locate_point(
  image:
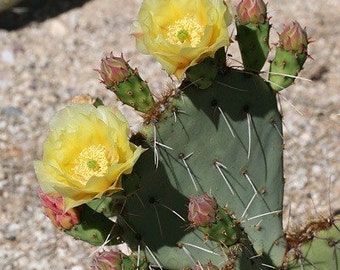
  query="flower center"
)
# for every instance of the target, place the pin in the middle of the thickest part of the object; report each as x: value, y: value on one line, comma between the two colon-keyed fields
x: 186, y: 31
x: 92, y: 161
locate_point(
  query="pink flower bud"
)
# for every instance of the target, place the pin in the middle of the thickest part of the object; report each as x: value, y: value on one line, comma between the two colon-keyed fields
x: 54, y: 209
x: 251, y: 11
x: 202, y: 210
x: 107, y: 260
x: 293, y: 38
x: 113, y: 70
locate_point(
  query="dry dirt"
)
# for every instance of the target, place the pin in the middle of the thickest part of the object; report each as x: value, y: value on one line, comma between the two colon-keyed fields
x: 47, y: 55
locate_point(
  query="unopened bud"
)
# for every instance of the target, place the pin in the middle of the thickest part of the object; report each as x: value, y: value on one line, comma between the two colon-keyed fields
x: 202, y: 210
x: 114, y: 70
x: 293, y: 38
x: 54, y: 209
x: 107, y: 260
x: 251, y: 11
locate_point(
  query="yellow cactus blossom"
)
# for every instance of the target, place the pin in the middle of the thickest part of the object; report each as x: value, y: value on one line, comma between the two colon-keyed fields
x: 86, y: 153
x: 181, y: 33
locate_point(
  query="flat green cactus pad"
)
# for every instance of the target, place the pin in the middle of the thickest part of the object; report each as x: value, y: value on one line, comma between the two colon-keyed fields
x: 225, y: 140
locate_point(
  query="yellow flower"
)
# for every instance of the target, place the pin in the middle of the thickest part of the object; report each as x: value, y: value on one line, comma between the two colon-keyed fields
x: 86, y: 153
x: 181, y: 33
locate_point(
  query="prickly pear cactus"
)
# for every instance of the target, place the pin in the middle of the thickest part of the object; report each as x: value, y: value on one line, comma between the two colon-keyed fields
x: 220, y: 140
x: 207, y: 191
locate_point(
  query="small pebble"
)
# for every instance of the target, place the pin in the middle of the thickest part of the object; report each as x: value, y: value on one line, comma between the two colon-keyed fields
x: 7, y: 57
x: 57, y: 28
x: 77, y: 267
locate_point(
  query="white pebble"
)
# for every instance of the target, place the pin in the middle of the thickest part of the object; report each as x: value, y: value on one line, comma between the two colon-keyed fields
x: 7, y: 56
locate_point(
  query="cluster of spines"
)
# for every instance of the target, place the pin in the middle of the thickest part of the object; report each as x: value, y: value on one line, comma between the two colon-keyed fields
x: 314, y: 245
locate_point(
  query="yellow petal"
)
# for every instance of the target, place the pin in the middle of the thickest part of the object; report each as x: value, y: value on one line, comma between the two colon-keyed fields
x: 180, y: 33
x: 86, y: 153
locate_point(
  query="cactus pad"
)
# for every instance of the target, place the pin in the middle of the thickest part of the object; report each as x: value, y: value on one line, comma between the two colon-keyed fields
x: 253, y: 42
x: 225, y: 139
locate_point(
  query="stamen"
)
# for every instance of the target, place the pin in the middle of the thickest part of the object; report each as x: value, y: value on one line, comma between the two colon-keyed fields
x: 92, y: 161
x: 187, y: 31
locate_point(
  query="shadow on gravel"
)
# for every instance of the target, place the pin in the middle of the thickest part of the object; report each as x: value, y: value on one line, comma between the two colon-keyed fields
x: 29, y: 11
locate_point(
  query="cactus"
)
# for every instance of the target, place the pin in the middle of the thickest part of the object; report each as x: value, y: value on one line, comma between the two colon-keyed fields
x: 253, y: 29
x: 94, y: 228
x: 291, y: 54
x: 207, y: 193
x: 315, y: 246
x: 115, y: 259
x: 202, y: 158
x: 120, y: 78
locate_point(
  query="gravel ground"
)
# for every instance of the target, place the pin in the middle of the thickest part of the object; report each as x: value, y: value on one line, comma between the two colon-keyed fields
x: 47, y: 56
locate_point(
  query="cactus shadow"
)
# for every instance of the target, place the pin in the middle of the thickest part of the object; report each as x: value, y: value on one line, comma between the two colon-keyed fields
x: 29, y: 11
x: 235, y: 93
x: 156, y: 212
x: 247, y: 263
